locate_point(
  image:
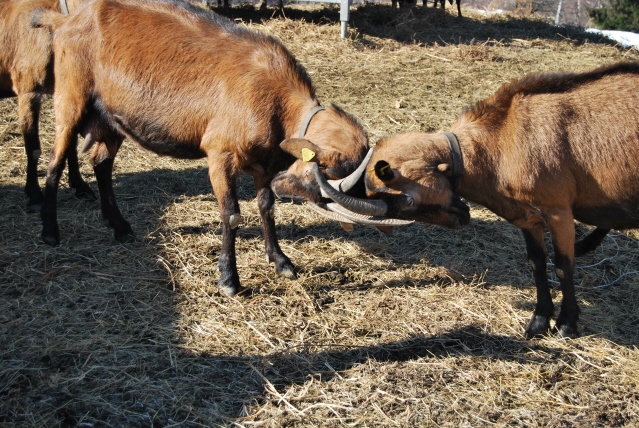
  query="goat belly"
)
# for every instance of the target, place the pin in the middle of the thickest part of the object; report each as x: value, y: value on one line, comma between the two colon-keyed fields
x: 160, y: 141
x: 173, y: 148
x: 612, y: 216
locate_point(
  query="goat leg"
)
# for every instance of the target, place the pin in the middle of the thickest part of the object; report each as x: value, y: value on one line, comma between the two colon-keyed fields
x: 28, y: 114
x: 539, y: 323
x: 562, y: 231
x: 223, y: 177
x: 274, y: 254
x: 50, y: 230
x: 102, y: 161
x: 82, y: 188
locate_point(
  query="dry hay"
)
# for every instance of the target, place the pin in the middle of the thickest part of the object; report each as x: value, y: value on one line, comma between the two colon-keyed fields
x: 422, y: 328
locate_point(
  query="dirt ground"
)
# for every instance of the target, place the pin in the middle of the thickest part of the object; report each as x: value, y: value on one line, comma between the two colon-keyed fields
x: 421, y: 328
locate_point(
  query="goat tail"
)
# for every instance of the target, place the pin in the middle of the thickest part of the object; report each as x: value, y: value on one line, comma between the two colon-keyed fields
x: 47, y: 18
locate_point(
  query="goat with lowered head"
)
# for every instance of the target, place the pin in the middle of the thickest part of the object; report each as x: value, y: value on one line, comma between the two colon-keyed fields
x: 541, y: 152
x: 26, y: 72
x: 203, y: 87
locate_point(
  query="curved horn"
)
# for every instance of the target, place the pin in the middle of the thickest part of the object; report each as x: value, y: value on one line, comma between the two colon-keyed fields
x: 347, y: 183
x: 360, y: 206
x: 364, y: 219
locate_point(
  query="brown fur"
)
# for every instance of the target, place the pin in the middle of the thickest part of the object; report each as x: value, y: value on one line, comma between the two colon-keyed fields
x: 26, y: 62
x: 541, y: 152
x: 184, y: 82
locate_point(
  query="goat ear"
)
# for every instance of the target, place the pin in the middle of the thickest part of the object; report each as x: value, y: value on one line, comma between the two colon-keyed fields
x: 445, y: 169
x: 383, y: 171
x: 302, y: 149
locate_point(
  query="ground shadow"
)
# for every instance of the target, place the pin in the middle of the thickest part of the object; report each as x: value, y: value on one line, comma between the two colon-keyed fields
x: 83, y: 345
x: 446, y: 251
x: 425, y: 25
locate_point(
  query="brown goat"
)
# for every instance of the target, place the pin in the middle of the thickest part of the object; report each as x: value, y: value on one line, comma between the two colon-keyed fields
x: 543, y: 151
x: 26, y: 71
x: 443, y: 4
x: 187, y: 83
x: 411, y: 3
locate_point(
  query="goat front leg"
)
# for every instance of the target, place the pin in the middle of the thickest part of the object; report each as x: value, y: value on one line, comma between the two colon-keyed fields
x: 562, y: 231
x: 539, y: 323
x: 102, y: 160
x: 274, y: 254
x: 28, y: 115
x: 223, y: 175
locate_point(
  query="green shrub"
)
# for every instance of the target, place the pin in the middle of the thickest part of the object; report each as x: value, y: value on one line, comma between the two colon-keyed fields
x: 619, y: 15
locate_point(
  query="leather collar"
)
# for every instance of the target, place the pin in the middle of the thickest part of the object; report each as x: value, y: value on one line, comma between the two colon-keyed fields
x: 455, y: 152
x: 308, y: 118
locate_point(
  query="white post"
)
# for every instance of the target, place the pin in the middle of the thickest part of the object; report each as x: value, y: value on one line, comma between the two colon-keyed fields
x: 558, y: 13
x: 344, y: 15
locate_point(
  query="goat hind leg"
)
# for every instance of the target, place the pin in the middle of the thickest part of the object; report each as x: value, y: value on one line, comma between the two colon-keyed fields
x: 562, y: 231
x: 82, y: 188
x: 102, y: 159
x: 539, y: 323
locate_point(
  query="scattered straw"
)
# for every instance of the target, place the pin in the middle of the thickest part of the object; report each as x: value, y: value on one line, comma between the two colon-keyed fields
x: 421, y: 328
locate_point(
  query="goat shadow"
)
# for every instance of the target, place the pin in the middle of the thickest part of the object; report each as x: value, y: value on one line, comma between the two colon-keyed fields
x: 126, y: 341
x: 423, y: 24
x: 488, y: 248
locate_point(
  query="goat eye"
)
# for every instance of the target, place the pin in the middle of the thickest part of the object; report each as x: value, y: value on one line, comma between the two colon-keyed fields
x: 410, y: 201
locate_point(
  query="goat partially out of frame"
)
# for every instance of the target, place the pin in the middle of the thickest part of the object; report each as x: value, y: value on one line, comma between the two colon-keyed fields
x: 543, y: 151
x: 26, y: 72
x: 411, y: 3
x: 187, y: 83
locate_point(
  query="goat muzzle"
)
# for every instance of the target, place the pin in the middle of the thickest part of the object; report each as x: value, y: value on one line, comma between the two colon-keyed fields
x: 349, y: 209
x: 357, y: 205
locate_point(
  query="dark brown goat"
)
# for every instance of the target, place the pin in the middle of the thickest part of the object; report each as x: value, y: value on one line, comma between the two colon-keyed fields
x: 26, y: 71
x: 443, y: 4
x: 411, y: 3
x: 543, y: 151
x: 187, y: 83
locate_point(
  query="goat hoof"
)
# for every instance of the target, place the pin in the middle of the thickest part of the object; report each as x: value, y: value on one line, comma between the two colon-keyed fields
x: 229, y: 290
x: 125, y: 238
x: 35, y: 201
x: 566, y: 331
x: 51, y: 240
x: 287, y: 272
x: 85, y: 193
x: 283, y: 265
x: 34, y: 207
x: 537, y: 326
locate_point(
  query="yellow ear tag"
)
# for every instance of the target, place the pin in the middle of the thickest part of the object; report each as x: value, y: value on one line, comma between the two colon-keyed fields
x: 307, y: 154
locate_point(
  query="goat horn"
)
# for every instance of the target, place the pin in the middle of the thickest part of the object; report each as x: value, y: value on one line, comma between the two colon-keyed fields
x: 365, y: 219
x: 359, y: 206
x: 347, y: 183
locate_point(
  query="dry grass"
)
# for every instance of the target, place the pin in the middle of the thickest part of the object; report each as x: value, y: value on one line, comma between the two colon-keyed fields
x: 423, y: 328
